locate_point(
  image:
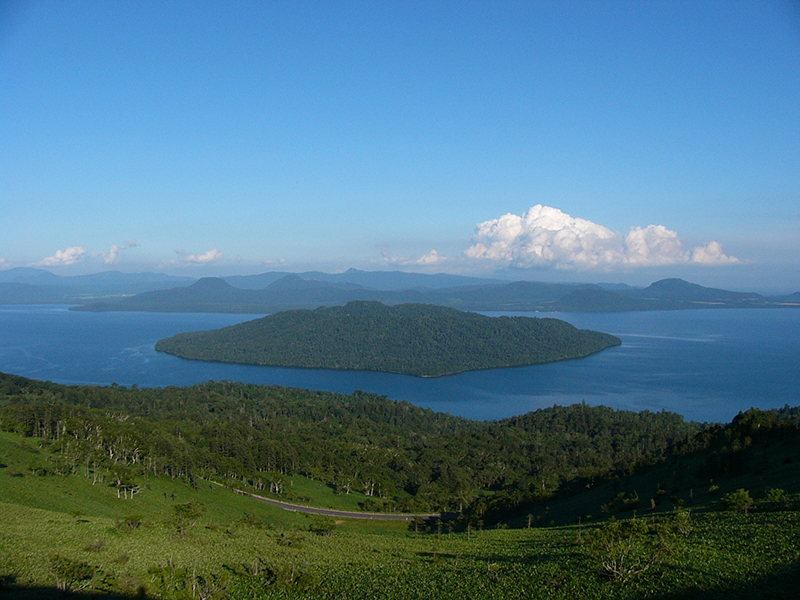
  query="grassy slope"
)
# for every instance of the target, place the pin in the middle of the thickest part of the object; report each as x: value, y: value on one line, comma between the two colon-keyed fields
x: 726, y: 555
x: 722, y: 555
x: 79, y: 496
x: 311, y: 492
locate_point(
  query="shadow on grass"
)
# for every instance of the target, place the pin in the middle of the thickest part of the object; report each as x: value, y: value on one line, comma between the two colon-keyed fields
x: 780, y: 584
x: 15, y: 592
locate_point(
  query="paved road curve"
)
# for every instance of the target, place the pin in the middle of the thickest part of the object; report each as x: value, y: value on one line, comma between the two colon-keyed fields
x: 344, y: 514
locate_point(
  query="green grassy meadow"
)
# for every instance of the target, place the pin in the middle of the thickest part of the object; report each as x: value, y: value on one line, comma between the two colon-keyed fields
x: 63, y: 531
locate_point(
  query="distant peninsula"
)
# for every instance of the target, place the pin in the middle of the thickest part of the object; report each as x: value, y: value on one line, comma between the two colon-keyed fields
x: 413, y: 339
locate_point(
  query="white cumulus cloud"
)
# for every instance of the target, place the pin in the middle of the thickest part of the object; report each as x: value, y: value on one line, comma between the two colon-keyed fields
x: 200, y: 259
x: 112, y: 256
x: 62, y: 257
x: 652, y: 245
x: 546, y: 236
x: 431, y: 258
x: 712, y: 254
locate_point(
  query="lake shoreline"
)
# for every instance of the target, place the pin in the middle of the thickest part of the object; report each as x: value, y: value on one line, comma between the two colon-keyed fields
x: 705, y: 365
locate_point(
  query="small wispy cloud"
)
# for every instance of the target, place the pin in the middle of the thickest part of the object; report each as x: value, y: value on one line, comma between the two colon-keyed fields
x: 431, y: 258
x: 546, y: 236
x: 274, y: 262
x: 62, y: 258
x: 200, y: 259
x: 112, y: 256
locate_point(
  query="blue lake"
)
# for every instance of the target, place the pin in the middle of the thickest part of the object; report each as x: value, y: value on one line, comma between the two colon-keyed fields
x: 704, y: 364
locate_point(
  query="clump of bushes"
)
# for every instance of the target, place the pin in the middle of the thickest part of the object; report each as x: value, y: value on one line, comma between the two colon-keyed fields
x: 738, y: 501
x: 625, y: 549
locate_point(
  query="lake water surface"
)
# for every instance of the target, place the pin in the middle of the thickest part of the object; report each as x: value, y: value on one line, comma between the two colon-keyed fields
x: 704, y: 364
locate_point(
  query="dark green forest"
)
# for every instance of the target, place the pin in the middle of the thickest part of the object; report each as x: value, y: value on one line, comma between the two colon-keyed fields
x: 413, y: 339
x: 402, y: 457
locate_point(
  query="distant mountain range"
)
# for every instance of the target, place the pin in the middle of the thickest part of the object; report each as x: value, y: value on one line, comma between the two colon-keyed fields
x: 282, y: 291
x: 275, y: 291
x: 379, y: 280
x: 25, y: 285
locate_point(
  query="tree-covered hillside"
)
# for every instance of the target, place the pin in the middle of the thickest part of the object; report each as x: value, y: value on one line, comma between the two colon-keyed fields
x: 405, y: 457
x: 414, y: 339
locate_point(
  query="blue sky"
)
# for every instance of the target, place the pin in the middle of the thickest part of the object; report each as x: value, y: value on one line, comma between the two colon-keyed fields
x: 583, y: 141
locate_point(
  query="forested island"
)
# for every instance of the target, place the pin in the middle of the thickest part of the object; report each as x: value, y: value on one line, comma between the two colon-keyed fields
x: 413, y: 339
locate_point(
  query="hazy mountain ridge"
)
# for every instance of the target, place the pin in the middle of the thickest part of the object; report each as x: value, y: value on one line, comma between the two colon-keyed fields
x: 379, y: 280
x: 275, y: 291
x: 293, y: 291
x: 25, y: 285
x: 683, y: 291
